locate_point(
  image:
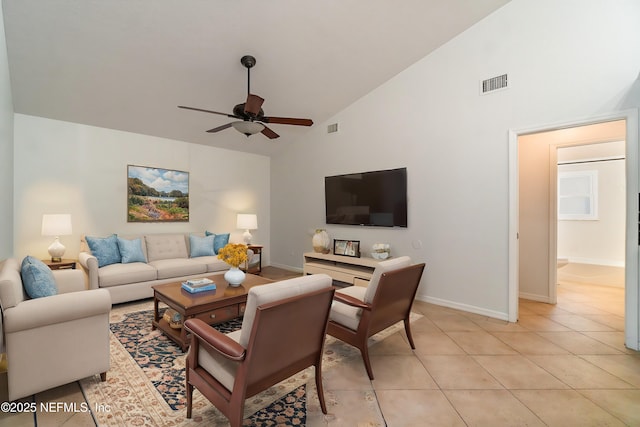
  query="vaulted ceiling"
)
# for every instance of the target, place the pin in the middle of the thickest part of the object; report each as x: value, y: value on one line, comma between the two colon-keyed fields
x: 127, y: 65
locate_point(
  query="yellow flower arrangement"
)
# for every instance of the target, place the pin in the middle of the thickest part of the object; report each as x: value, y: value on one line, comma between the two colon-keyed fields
x: 233, y: 254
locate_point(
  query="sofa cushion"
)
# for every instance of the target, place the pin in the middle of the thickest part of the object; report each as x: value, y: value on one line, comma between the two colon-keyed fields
x: 122, y: 274
x: 105, y: 249
x: 166, y: 246
x: 201, y: 246
x: 212, y: 263
x: 131, y: 250
x: 168, y: 268
x: 37, y: 278
x: 11, y: 289
x: 220, y: 240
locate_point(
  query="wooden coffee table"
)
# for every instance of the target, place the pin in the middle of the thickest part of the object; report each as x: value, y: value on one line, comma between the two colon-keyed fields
x: 222, y: 304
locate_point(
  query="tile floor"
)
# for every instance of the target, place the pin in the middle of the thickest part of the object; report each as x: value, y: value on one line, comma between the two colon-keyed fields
x: 560, y: 365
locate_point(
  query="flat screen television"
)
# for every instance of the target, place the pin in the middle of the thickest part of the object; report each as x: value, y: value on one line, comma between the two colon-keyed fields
x: 376, y: 198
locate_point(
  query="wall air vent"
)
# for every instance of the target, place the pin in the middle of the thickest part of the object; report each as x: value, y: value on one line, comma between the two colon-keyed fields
x: 493, y: 84
x: 333, y: 128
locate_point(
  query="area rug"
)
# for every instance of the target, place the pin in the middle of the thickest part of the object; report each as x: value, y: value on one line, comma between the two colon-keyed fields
x: 145, y: 385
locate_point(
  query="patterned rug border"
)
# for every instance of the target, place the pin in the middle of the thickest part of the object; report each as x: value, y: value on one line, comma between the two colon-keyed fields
x: 132, y: 399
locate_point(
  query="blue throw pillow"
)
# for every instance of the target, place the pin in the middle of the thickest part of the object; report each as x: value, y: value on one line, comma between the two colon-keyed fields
x: 105, y: 249
x: 220, y: 240
x: 131, y: 250
x: 37, y: 278
x: 201, y: 246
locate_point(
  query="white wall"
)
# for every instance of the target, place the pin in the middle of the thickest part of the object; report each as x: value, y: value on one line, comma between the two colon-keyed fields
x: 63, y: 167
x: 565, y: 60
x: 6, y: 151
x: 600, y: 241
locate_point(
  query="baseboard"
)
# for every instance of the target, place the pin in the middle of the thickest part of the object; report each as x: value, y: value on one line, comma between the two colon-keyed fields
x: 593, y: 261
x: 464, y: 307
x: 287, y: 267
x: 534, y: 297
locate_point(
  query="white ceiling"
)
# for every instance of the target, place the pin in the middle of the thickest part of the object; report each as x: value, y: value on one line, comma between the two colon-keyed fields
x: 126, y: 65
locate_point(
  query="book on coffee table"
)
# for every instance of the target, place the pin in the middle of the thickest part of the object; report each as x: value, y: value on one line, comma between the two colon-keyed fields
x: 198, y: 285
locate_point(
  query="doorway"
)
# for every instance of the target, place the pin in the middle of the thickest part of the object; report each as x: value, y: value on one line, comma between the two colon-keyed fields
x: 533, y: 210
x: 591, y: 213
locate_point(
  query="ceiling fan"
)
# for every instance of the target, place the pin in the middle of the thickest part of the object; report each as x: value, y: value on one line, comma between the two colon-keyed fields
x: 250, y: 114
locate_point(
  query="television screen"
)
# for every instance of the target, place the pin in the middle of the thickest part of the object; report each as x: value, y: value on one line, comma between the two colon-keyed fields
x: 377, y: 198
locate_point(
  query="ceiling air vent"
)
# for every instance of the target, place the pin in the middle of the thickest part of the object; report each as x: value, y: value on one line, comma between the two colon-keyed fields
x: 493, y: 84
x: 333, y: 128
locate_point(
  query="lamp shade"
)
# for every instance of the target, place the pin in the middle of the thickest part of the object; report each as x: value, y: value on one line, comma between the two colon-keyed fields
x: 56, y: 224
x: 247, y: 221
x: 248, y: 128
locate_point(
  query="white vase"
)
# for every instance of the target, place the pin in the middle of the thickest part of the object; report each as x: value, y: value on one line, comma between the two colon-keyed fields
x: 234, y: 276
x: 321, y: 241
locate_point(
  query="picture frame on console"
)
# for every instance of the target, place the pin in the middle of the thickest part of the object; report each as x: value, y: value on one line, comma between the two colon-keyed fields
x: 346, y: 248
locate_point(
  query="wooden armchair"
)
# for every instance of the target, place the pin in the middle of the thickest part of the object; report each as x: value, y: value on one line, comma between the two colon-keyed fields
x: 283, y: 332
x: 359, y: 313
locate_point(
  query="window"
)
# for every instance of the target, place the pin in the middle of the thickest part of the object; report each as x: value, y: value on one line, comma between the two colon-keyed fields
x: 578, y: 195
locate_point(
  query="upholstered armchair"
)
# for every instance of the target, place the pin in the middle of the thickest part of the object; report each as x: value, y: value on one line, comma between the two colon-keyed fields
x: 283, y: 332
x: 359, y: 313
x: 52, y: 340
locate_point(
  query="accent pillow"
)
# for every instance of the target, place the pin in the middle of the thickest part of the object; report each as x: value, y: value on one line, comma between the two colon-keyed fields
x: 131, y: 250
x: 105, y: 249
x: 201, y: 246
x: 37, y: 278
x: 220, y: 241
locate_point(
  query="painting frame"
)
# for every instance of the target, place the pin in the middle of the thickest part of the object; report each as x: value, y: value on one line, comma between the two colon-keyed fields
x: 157, y: 194
x: 349, y: 248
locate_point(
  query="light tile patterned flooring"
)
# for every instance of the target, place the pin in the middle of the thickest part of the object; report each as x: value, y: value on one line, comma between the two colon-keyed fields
x: 560, y: 365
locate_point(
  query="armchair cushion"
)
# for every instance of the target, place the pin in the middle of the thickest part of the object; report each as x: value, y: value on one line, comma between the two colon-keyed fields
x: 105, y: 249
x: 42, y: 312
x: 345, y: 314
x: 11, y: 290
x: 383, y: 267
x: 131, y: 250
x: 221, y: 368
x: 259, y: 295
x: 37, y: 278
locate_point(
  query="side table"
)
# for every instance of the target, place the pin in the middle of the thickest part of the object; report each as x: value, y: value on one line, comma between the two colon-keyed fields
x: 257, y: 250
x: 61, y: 265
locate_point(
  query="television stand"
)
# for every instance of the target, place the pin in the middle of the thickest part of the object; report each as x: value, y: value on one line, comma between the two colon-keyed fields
x: 345, y: 269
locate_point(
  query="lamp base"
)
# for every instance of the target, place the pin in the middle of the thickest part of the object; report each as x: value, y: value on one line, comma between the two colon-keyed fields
x: 56, y: 250
x: 247, y: 237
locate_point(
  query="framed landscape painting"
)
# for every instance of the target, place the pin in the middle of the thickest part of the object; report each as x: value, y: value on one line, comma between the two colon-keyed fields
x: 157, y: 195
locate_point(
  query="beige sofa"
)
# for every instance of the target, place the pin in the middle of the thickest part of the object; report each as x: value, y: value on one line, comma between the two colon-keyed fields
x: 167, y: 259
x: 52, y: 340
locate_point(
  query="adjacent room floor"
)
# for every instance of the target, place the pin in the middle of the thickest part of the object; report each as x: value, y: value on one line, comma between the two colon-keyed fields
x: 560, y: 365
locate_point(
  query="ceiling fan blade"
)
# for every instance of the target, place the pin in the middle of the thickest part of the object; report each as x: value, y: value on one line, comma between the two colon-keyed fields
x: 287, y: 121
x: 209, y: 111
x: 253, y: 105
x: 269, y: 133
x: 219, y: 128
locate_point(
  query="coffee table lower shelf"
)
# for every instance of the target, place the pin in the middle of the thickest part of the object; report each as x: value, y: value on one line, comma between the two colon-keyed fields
x: 212, y: 317
x: 213, y: 307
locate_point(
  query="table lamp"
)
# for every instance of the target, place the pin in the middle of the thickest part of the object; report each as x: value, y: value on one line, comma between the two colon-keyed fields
x: 56, y: 225
x: 247, y: 222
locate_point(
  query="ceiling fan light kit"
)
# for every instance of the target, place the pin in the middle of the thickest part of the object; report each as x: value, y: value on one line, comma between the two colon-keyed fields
x: 248, y: 128
x: 250, y: 114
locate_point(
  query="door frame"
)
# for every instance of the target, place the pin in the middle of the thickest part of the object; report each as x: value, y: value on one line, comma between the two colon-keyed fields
x: 632, y: 282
